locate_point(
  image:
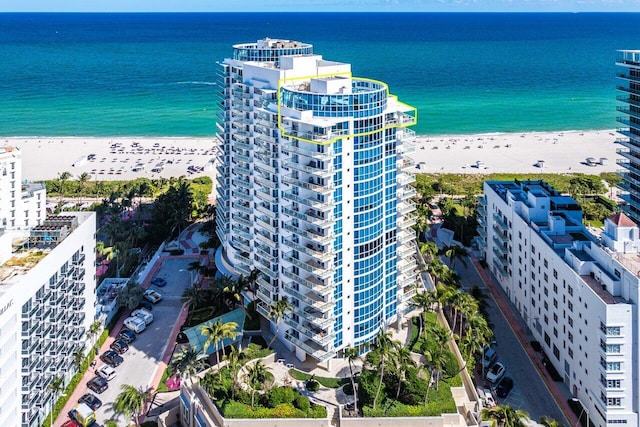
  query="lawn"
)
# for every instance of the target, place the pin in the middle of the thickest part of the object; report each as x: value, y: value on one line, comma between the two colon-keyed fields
x: 325, y: 381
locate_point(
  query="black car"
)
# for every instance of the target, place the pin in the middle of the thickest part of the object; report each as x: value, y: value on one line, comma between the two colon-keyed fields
x: 127, y: 336
x: 92, y: 401
x: 145, y: 304
x: 111, y: 358
x: 504, y: 387
x: 97, y: 385
x: 119, y: 346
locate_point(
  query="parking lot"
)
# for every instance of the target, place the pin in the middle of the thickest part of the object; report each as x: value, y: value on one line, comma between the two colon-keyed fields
x: 146, y: 352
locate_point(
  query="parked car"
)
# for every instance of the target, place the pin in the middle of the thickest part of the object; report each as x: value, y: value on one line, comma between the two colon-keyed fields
x: 127, y: 335
x: 111, y: 358
x: 135, y: 323
x: 106, y: 372
x: 504, y: 387
x: 145, y: 304
x: 489, y: 358
x: 91, y: 401
x: 486, y: 396
x: 496, y: 373
x: 97, y: 385
x: 145, y: 315
x: 152, y: 296
x: 159, y: 282
x: 119, y: 346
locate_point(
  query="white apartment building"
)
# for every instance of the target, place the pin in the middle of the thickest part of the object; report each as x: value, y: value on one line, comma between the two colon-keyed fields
x: 576, y: 292
x: 314, y: 192
x: 22, y: 204
x: 47, y: 298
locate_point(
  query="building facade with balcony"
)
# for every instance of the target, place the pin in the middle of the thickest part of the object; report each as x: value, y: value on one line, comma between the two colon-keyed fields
x: 314, y: 192
x: 22, y: 205
x: 47, y: 303
x: 630, y: 131
x: 576, y: 292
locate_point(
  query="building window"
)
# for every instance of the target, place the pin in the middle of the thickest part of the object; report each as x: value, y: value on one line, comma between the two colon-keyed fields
x: 570, y: 290
x: 555, y: 274
x: 546, y: 264
x: 570, y: 305
x: 614, y: 401
x: 570, y: 320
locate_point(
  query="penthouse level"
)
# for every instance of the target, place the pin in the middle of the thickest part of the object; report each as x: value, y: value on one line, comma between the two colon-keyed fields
x: 577, y: 292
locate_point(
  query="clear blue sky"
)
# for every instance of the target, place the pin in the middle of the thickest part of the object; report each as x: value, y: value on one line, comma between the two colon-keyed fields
x: 319, y: 5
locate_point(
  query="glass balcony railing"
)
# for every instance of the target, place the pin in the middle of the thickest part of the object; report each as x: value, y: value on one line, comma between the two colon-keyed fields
x: 501, y: 224
x: 407, y: 192
x: 314, y: 284
x: 243, y: 195
x: 244, y: 233
x: 311, y: 266
x: 317, y: 352
x: 242, y: 183
x: 327, y: 134
x: 326, y: 154
x: 405, y: 178
x: 246, y: 208
x: 499, y: 235
x: 266, y: 195
x: 311, y: 217
x: 239, y: 142
x: 316, y: 188
x: 264, y: 168
x: 499, y: 247
x: 239, y: 218
x: 264, y: 223
x: 499, y: 258
x: 318, y: 335
x: 315, y: 317
x: 265, y: 182
x: 406, y: 206
x: 323, y: 256
x: 311, y: 168
x: 326, y: 206
x: 311, y: 234
x: 310, y: 298
x: 263, y: 210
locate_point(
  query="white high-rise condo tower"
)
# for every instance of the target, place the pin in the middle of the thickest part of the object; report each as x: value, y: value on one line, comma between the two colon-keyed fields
x: 314, y: 192
x: 630, y: 132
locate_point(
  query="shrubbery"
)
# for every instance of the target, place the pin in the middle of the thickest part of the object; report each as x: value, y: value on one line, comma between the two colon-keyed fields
x: 313, y: 385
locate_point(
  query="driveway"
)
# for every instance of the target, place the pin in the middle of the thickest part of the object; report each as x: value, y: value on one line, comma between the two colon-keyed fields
x: 529, y: 393
x: 149, y: 349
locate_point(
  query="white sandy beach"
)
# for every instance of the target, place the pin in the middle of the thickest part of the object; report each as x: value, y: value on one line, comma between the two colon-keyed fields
x: 560, y: 152
x: 129, y: 158
x: 115, y: 158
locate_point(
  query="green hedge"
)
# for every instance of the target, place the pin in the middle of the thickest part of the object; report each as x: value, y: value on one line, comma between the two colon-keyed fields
x: 75, y: 380
x: 234, y: 409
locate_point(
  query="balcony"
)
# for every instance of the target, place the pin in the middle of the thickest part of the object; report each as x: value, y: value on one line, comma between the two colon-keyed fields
x: 405, y: 179
x: 324, y: 136
x: 482, y: 231
x: 267, y: 183
x: 321, y: 255
x: 244, y: 195
x: 311, y: 168
x: 502, y: 226
x: 628, y: 100
x: 323, y: 190
x: 242, y: 207
x: 310, y: 266
x: 264, y: 168
x: 406, y: 206
x: 407, y: 164
x: 406, y: 236
x: 240, y: 243
x: 264, y: 223
x: 628, y: 111
x: 407, y: 192
x: 266, y: 196
x: 326, y: 154
x: 244, y: 183
x: 264, y: 253
x: 310, y: 298
x: 317, y: 335
x: 311, y: 234
x: 321, y: 287
x: 312, y: 349
x: 240, y: 142
x: 265, y: 211
x: 499, y: 247
x: 242, y: 220
x: 310, y: 217
x: 631, y: 144
x: 628, y: 90
x: 627, y: 122
x: 241, y: 231
x: 498, y: 258
x: 407, y: 221
x: 405, y: 250
x: 315, y: 317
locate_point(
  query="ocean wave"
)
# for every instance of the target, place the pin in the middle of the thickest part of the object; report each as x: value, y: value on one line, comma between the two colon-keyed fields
x: 197, y: 83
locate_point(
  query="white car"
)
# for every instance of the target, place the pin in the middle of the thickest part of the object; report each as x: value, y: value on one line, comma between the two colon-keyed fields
x: 152, y: 296
x: 145, y: 315
x: 106, y: 372
x: 490, y: 356
x: 496, y: 373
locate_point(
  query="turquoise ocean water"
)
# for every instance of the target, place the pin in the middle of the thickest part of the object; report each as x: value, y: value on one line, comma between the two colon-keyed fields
x: 155, y: 74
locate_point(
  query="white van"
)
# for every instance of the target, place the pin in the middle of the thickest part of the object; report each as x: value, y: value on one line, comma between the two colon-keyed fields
x: 143, y: 314
x: 135, y: 323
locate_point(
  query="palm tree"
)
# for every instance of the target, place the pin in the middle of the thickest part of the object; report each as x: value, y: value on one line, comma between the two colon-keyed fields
x: 428, y: 249
x: 216, y: 332
x: 62, y: 179
x: 93, y: 330
x: 234, y: 365
x: 78, y: 357
x: 278, y: 311
x: 188, y: 362
x: 467, y: 306
x: 351, y: 354
x: 504, y: 416
x: 403, y: 361
x: 193, y: 295
x: 82, y: 180
x: 56, y: 385
x: 454, y: 253
x: 550, y: 422
x: 256, y: 375
x: 131, y: 401
x: 383, y: 346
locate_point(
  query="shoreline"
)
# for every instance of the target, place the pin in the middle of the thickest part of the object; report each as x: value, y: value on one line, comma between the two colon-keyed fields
x: 129, y: 157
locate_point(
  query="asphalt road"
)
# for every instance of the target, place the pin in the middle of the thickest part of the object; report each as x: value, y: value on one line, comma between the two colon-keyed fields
x: 529, y: 393
x: 145, y: 353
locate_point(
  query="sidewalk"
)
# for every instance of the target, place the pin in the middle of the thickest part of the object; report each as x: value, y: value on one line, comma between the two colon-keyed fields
x: 519, y: 328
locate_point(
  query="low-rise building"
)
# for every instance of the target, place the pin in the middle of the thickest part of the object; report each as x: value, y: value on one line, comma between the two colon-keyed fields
x: 576, y: 292
x: 47, y: 298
